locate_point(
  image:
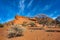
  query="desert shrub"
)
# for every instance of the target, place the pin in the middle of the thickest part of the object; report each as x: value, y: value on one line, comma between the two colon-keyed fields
x: 15, y: 31
x: 10, y: 35
x: 32, y: 24
x: 58, y: 25
x: 50, y: 30
x: 40, y: 22
x: 18, y: 30
x: 1, y: 25
x: 58, y: 20
x: 24, y: 24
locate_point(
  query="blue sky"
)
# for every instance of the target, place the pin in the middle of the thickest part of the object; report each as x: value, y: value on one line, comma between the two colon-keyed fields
x: 29, y: 8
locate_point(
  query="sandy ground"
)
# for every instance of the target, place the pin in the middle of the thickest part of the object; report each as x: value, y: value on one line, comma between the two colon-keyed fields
x: 32, y: 35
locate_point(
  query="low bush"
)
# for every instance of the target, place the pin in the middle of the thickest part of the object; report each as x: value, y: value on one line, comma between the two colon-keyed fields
x: 1, y: 25
x: 32, y: 24
x: 15, y: 31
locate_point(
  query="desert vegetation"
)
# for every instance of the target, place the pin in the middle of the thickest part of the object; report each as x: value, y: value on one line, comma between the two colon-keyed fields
x: 24, y: 24
x: 15, y: 31
x: 58, y: 21
x: 32, y: 24
x: 49, y: 22
x: 1, y: 25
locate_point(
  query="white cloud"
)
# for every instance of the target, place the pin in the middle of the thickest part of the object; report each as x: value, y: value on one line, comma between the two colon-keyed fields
x: 46, y: 7
x: 29, y: 3
x: 21, y: 6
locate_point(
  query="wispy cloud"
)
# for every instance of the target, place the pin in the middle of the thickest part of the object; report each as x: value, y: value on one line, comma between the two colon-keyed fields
x: 21, y: 6
x: 31, y: 12
x: 46, y: 7
x: 52, y: 14
x: 30, y: 3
